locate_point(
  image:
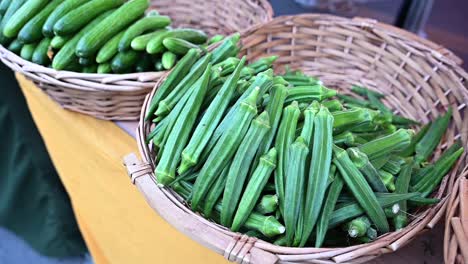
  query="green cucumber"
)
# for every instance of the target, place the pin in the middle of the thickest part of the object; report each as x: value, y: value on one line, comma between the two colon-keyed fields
x: 104, y: 68
x: 58, y: 42
x: 27, y: 51
x: 15, y: 46
x: 158, y: 66
x: 90, y: 69
x: 66, y: 54
x: 140, y: 42
x: 149, y: 23
x: 110, y: 49
x: 32, y: 31
x: 144, y: 64
x: 40, y: 55
x: 168, y: 60
x: 79, y: 17
x: 14, y: 6
x: 25, y: 13
x: 95, y: 38
x: 85, y: 61
x: 125, y: 61
x: 4, y: 6
x: 178, y: 46
x: 155, y: 45
x: 65, y: 7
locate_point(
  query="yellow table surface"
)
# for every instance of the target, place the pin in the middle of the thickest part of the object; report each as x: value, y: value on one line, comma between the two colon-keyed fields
x: 117, y: 224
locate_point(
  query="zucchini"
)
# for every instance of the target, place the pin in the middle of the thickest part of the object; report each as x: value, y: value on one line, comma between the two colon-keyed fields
x: 32, y: 31
x: 110, y: 49
x: 319, y: 169
x: 149, y: 23
x: 254, y: 188
x: 14, y: 6
x: 168, y: 60
x: 58, y: 42
x: 95, y: 38
x: 179, y: 46
x: 226, y: 147
x: 125, y: 61
x: 40, y: 55
x: 140, y: 42
x: 25, y: 13
x: 65, y: 7
x: 241, y: 162
x: 66, y: 54
x: 155, y: 45
x: 27, y: 51
x: 179, y: 134
x: 79, y: 17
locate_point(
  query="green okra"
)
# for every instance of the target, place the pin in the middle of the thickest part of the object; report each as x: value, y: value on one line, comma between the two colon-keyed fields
x: 240, y: 166
x: 388, y: 144
x: 319, y: 170
x: 392, y: 212
x: 215, y: 192
x: 262, y: 62
x: 166, y: 168
x: 362, y: 163
x: 361, y: 190
x: 358, y: 227
x: 421, y: 201
x: 254, y: 188
x: 409, y: 150
x: 425, y: 147
x: 363, y: 91
x: 207, y: 125
x: 268, y: 203
x: 228, y: 48
x: 168, y: 103
x: 284, y: 138
x: 309, y: 93
x: 388, y: 179
x: 333, y: 105
x: 173, y: 79
x: 380, y: 161
x: 157, y: 129
x: 226, y: 147
x: 215, y: 39
x: 281, y: 241
x: 327, y: 210
x: 393, y: 165
x: 345, y: 138
x: 349, y: 100
x: 402, y: 187
x: 351, y: 117
x: 294, y: 187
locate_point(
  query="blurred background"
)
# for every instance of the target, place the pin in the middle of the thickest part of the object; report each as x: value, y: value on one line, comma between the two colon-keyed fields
x: 442, y: 21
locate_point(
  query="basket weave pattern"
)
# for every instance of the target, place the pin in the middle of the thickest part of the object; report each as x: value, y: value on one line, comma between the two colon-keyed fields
x: 419, y: 78
x: 120, y: 96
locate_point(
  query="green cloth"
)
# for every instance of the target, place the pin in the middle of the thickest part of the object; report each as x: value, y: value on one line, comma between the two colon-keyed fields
x: 33, y: 202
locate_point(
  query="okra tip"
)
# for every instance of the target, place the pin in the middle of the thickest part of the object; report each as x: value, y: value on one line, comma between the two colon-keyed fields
x: 263, y: 119
x: 186, y: 163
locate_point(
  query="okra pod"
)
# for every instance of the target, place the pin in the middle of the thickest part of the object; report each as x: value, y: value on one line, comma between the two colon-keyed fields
x: 333, y: 105
x: 385, y: 145
x: 215, y: 192
x: 393, y: 165
x: 363, y: 91
x: 351, y: 117
x: 309, y: 93
x: 388, y: 179
x: 330, y: 202
x: 228, y: 48
x: 268, y: 203
x: 349, y: 100
x: 254, y: 188
x: 409, y: 150
x: 363, y: 164
x: 358, y: 226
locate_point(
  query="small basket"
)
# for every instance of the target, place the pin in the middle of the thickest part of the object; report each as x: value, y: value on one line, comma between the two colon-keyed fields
x: 456, y: 223
x: 421, y: 80
x: 120, y: 96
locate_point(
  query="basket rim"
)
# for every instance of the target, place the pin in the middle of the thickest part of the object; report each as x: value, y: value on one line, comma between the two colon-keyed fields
x: 427, y: 218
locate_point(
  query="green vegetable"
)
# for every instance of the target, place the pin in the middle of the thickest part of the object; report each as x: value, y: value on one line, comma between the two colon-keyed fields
x: 309, y: 93
x: 58, y: 42
x: 144, y: 64
x: 4, y: 6
x: 333, y: 105
x: 15, y: 46
x: 168, y: 60
x: 27, y: 51
x: 125, y: 61
x: 358, y: 226
x: 240, y: 167
x: 365, y: 92
x: 85, y: 61
x: 253, y: 190
x: 356, y: 116
x: 32, y: 31
x: 409, y: 150
x: 327, y: 210
x: 140, y: 42
x: 361, y: 190
x: 388, y: 179
x: 14, y: 6
x: 90, y: 69
x: 24, y: 14
x: 319, y: 169
x: 40, y: 55
x: 110, y: 49
x: 155, y: 45
x: 385, y: 145
x: 64, y: 8
x: 268, y: 203
x: 148, y: 23
x: 178, y: 46
x: 228, y: 48
x: 104, y: 68
x: 95, y: 38
x: 362, y: 163
x: 215, y: 39
x: 215, y: 192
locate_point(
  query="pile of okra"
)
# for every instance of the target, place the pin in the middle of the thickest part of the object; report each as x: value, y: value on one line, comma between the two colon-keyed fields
x: 286, y: 159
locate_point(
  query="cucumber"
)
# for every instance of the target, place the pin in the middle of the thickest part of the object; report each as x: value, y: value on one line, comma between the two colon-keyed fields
x: 139, y: 43
x: 124, y: 61
x: 66, y: 55
x: 4, y: 6
x: 178, y: 46
x: 15, y: 46
x: 144, y: 64
x: 92, y: 41
x: 14, y: 6
x: 40, y: 55
x: 76, y: 19
x: 215, y: 39
x: 104, y: 68
x: 85, y: 61
x: 168, y: 60
x: 58, y: 42
x: 22, y: 16
x: 158, y: 66
x: 155, y: 45
x: 108, y: 51
x: 90, y: 69
x: 149, y: 23
x: 65, y: 7
x: 27, y: 51
x: 31, y: 32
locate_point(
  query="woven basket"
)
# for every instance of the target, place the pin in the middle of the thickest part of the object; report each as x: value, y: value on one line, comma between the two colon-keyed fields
x: 120, y: 96
x: 456, y: 223
x: 421, y: 80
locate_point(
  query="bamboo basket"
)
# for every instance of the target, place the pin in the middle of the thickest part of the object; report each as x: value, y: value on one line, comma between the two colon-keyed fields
x: 420, y: 79
x: 456, y: 223
x: 120, y: 96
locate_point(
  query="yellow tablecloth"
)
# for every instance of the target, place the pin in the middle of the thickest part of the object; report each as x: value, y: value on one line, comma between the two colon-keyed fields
x: 117, y: 224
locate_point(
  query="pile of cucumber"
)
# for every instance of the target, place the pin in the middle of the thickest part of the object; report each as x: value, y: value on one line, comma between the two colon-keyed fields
x: 286, y: 159
x: 95, y: 36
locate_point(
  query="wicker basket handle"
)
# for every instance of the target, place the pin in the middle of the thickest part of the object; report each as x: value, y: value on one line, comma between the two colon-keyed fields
x: 234, y: 247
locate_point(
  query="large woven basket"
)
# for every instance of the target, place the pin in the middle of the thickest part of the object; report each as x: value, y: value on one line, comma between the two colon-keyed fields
x: 421, y: 80
x: 456, y: 223
x: 120, y: 96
